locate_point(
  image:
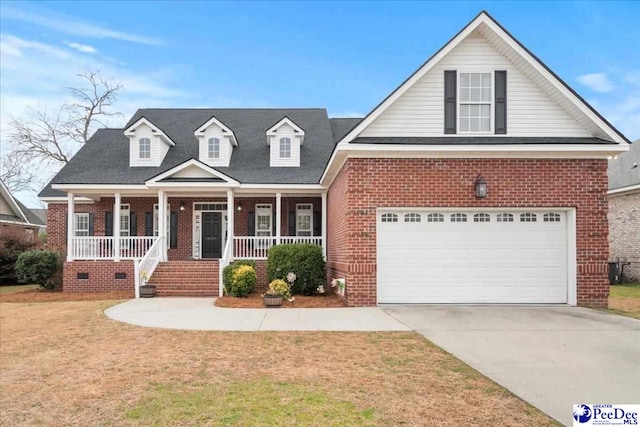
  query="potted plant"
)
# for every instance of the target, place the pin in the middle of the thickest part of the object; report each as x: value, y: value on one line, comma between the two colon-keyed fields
x: 277, y: 292
x: 146, y: 291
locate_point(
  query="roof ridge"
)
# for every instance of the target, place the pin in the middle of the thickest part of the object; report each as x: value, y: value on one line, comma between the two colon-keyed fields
x: 234, y: 108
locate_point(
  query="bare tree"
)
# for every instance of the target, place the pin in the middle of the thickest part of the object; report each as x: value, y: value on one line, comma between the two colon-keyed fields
x: 42, y: 138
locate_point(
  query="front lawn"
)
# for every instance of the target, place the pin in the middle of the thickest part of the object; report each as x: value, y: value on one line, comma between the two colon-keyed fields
x: 10, y: 289
x: 65, y: 363
x: 625, y: 299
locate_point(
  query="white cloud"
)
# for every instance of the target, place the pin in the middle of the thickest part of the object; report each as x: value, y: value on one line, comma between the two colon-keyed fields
x: 597, y: 82
x: 67, y: 25
x: 84, y: 48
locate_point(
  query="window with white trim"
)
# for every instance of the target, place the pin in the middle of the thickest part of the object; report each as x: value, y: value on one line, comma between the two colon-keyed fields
x: 144, y: 148
x: 412, y: 217
x: 263, y: 220
x: 475, y: 102
x: 435, y: 217
x: 81, y: 224
x: 124, y: 220
x: 481, y: 217
x: 389, y: 217
x: 528, y: 217
x: 285, y: 148
x: 551, y: 217
x: 458, y: 217
x: 304, y: 219
x: 214, y: 148
x: 504, y: 217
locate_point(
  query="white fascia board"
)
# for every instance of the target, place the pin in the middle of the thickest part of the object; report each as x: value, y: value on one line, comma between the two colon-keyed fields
x: 98, y: 187
x: 23, y: 224
x: 9, y: 197
x: 192, y: 162
x: 213, y: 121
x: 130, y: 131
x: 304, y: 187
x: 627, y: 189
x: 64, y: 200
x: 190, y: 185
x: 272, y: 131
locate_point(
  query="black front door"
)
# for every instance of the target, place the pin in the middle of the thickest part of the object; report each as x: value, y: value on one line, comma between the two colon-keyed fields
x: 211, y: 235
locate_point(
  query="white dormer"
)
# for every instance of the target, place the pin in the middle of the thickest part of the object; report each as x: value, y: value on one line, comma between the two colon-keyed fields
x: 216, y: 142
x: 285, y: 139
x: 148, y: 144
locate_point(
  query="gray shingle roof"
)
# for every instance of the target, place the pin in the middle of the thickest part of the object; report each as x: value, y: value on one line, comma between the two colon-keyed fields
x: 475, y: 140
x: 341, y: 125
x: 105, y: 158
x: 622, y: 173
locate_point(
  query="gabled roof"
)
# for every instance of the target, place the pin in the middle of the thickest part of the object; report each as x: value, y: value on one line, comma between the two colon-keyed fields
x: 486, y: 25
x: 624, y: 170
x: 22, y: 214
x: 214, y: 121
x: 272, y: 131
x: 198, y: 172
x: 130, y: 130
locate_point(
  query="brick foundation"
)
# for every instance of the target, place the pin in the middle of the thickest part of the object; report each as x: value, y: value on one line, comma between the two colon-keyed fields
x: 101, y: 276
x: 364, y: 185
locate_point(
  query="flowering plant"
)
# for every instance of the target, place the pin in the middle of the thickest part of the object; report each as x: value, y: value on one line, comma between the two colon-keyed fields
x: 291, y: 277
x: 279, y: 287
x: 144, y: 276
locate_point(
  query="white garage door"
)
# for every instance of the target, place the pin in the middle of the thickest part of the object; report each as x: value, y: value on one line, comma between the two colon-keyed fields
x: 472, y: 256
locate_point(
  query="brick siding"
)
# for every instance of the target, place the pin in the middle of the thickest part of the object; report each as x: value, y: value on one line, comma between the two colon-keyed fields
x: 363, y: 185
x: 624, y: 232
x: 101, y: 276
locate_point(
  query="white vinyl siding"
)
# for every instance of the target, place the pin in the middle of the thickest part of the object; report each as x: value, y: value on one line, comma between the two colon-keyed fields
x: 277, y: 160
x: 483, y: 261
x: 420, y: 110
x: 225, y: 147
x: 5, y: 209
x: 158, y: 148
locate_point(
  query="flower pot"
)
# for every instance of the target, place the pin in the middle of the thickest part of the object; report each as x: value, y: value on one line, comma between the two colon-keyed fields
x: 272, y: 300
x: 147, y: 291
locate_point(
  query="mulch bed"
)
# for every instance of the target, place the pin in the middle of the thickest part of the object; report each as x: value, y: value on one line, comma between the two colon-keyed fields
x: 42, y: 295
x: 255, y: 301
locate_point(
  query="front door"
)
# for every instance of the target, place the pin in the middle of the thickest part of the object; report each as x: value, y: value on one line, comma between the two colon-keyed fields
x: 211, y: 235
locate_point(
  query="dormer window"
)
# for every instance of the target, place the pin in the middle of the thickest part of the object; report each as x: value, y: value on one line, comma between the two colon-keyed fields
x: 285, y: 148
x: 475, y: 102
x: 214, y: 148
x: 145, y: 148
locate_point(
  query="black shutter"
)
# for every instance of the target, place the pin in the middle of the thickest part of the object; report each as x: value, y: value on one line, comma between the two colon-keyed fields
x: 108, y: 224
x: 450, y: 101
x: 292, y: 223
x: 501, y: 102
x: 66, y: 228
x: 148, y: 224
x: 251, y: 223
x: 173, y: 231
x: 91, y: 232
x: 273, y: 223
x: 133, y: 224
x: 317, y: 223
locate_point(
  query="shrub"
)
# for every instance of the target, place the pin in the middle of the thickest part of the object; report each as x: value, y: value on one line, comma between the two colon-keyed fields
x: 243, y: 281
x: 305, y: 260
x: 10, y: 248
x: 227, y: 273
x: 279, y: 287
x: 38, y: 266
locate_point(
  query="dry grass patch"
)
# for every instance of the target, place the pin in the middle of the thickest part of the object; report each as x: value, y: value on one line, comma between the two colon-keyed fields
x: 625, y: 299
x: 67, y: 364
x: 255, y: 301
x: 43, y: 295
x: 10, y: 289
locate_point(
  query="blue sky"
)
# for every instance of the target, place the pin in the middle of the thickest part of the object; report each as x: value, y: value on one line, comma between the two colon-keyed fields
x: 345, y: 57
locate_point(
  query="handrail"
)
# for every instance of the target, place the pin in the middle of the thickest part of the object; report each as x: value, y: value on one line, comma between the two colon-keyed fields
x: 227, y: 258
x: 147, y: 265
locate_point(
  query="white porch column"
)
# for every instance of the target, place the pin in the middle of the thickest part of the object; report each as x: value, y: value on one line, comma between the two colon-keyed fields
x: 162, y: 227
x: 116, y: 227
x: 231, y: 213
x: 278, y: 217
x: 71, y: 232
x: 324, y: 224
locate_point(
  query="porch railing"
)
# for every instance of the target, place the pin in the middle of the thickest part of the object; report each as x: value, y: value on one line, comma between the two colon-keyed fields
x: 147, y: 265
x: 227, y: 258
x: 257, y: 247
x: 103, y: 247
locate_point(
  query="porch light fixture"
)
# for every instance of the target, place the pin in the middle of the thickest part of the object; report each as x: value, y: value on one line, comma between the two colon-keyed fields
x: 182, y: 206
x: 239, y: 206
x: 481, y: 187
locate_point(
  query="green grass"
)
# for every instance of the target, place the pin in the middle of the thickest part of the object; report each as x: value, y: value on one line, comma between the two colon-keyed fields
x: 627, y: 290
x: 257, y: 403
x: 10, y: 289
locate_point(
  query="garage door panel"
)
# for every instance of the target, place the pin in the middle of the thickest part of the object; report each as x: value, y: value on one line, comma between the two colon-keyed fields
x: 472, y: 262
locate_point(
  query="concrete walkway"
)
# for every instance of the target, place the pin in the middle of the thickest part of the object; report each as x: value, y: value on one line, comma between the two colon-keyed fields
x: 200, y: 314
x: 550, y: 356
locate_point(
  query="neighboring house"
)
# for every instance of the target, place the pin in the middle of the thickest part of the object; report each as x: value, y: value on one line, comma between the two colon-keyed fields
x: 624, y: 211
x: 481, y: 179
x: 16, y: 220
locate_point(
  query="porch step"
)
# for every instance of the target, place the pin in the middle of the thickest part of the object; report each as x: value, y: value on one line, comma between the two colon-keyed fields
x: 186, y: 278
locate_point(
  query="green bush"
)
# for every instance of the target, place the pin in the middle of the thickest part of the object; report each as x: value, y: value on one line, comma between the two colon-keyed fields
x: 243, y: 281
x: 38, y: 266
x: 279, y: 287
x: 304, y: 260
x: 10, y: 249
x: 227, y: 273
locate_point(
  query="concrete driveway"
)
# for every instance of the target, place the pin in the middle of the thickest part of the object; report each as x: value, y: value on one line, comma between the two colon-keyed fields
x: 551, y: 356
